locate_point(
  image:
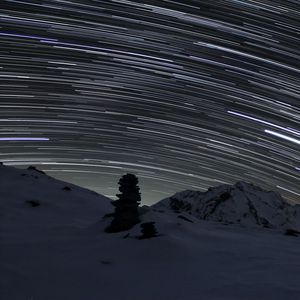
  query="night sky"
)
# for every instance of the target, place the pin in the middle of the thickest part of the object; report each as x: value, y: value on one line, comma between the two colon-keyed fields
x: 184, y: 94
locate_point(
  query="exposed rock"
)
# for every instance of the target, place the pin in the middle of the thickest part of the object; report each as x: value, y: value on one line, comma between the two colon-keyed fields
x: 242, y: 203
x: 33, y: 203
x: 33, y: 168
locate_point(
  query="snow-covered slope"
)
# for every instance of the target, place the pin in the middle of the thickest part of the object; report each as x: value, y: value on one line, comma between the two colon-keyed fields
x: 242, y: 203
x: 32, y: 201
x: 58, y: 250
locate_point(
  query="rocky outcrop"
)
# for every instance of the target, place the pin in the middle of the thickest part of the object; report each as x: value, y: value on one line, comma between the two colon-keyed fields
x: 242, y: 203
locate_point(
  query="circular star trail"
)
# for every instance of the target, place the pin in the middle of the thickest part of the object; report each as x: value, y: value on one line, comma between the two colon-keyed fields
x: 185, y: 94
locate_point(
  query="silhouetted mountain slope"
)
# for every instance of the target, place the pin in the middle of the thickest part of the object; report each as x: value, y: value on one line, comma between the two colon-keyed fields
x: 32, y: 200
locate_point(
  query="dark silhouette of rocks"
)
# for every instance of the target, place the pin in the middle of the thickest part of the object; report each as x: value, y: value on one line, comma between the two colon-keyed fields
x: 148, y: 230
x: 126, y: 213
x: 33, y: 168
x: 33, y: 203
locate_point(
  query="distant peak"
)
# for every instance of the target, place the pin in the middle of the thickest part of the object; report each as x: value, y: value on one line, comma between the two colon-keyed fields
x: 242, y: 203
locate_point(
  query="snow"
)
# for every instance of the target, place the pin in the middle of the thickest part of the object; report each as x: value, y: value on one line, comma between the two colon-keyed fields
x: 242, y: 203
x: 58, y: 207
x: 59, y: 250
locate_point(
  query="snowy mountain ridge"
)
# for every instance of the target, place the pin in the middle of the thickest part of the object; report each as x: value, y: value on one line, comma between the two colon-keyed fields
x: 63, y: 204
x: 242, y: 203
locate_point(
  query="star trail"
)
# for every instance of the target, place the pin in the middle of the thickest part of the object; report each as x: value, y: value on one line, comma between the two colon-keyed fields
x: 184, y: 94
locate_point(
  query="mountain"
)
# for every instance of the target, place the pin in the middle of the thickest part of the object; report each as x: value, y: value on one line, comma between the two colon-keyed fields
x: 242, y: 203
x: 53, y: 245
x: 31, y: 201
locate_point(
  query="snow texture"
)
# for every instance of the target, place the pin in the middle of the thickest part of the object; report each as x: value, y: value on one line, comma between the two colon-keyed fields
x: 53, y: 245
x: 242, y: 203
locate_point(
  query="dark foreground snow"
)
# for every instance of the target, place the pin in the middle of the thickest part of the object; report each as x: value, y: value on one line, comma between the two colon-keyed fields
x: 58, y: 251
